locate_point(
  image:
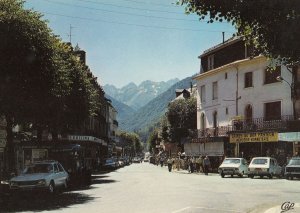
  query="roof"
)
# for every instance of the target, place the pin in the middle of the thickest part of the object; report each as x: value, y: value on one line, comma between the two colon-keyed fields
x: 226, y: 43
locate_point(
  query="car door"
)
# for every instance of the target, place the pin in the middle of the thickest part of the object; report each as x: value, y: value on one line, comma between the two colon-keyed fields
x: 272, y: 167
x: 64, y: 174
x: 59, y: 175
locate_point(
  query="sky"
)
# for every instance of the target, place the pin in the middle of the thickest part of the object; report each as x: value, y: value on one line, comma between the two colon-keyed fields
x: 133, y: 40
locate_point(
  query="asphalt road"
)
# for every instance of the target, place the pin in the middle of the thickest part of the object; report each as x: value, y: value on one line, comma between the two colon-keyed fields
x: 148, y: 188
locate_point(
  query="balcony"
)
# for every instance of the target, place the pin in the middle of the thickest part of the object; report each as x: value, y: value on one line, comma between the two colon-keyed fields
x: 210, y: 132
x: 282, y: 123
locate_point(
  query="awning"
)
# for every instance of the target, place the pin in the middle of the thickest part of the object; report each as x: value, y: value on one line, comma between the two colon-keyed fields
x: 289, y: 136
x: 210, y: 149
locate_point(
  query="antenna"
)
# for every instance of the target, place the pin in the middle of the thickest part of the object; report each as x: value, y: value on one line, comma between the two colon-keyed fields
x: 70, y: 33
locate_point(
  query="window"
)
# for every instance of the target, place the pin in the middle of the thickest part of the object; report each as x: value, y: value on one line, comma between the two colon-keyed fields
x: 215, y: 117
x: 273, y: 111
x: 270, y: 75
x: 202, y: 121
x: 248, y: 79
x: 210, y: 62
x: 202, y: 96
x: 248, y: 113
x: 215, y: 90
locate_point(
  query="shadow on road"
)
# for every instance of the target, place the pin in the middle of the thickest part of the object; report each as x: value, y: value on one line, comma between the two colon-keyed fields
x: 42, y: 202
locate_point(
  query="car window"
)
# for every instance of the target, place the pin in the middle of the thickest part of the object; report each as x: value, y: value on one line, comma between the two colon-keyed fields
x: 60, y: 168
x: 56, y: 168
x: 294, y: 162
x: 260, y: 161
x: 234, y: 161
x: 38, y: 168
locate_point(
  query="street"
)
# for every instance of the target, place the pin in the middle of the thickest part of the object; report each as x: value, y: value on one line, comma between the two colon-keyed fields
x: 148, y: 188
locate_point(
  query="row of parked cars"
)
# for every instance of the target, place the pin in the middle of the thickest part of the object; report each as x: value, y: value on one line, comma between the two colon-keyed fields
x: 260, y: 167
x: 115, y: 163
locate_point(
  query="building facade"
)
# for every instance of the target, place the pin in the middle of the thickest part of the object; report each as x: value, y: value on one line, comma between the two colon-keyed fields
x: 244, y: 108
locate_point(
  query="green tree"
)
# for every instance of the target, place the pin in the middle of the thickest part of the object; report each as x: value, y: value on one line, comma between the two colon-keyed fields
x: 182, y: 114
x: 152, y: 140
x: 271, y: 26
x: 132, y: 141
x: 31, y: 76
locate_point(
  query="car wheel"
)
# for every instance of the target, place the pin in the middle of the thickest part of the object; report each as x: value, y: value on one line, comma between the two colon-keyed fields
x: 292, y: 177
x: 51, y: 187
x: 222, y: 175
x: 251, y: 176
x: 270, y: 176
x: 261, y: 176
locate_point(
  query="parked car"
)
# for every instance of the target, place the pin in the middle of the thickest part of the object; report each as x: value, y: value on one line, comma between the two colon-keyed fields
x: 264, y: 166
x: 44, y: 175
x: 110, y: 163
x: 136, y: 160
x: 292, y: 169
x: 233, y: 166
x: 146, y: 159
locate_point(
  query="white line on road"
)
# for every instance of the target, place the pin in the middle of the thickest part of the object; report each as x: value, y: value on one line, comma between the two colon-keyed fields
x: 198, y: 207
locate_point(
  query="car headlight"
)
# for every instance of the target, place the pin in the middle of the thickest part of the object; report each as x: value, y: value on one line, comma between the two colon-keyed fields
x: 41, y: 182
x: 4, y: 182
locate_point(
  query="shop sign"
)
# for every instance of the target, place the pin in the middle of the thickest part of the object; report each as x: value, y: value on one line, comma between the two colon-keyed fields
x: 83, y: 138
x: 254, y: 137
x: 289, y: 136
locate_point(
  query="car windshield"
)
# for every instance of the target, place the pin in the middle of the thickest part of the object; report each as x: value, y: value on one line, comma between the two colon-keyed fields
x: 294, y: 162
x: 260, y: 161
x: 38, y: 168
x: 229, y: 161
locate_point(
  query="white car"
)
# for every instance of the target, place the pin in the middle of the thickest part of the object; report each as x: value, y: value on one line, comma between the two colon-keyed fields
x: 45, y: 175
x: 264, y: 166
x: 233, y: 166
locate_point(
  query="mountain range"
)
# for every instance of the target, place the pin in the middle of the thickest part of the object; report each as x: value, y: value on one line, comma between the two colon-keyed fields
x: 137, y: 96
x: 148, y: 115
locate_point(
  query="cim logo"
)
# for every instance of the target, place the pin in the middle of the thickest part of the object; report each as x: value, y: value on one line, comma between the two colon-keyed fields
x: 286, y: 206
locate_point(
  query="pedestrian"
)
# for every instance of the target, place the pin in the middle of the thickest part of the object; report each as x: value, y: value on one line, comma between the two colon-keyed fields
x: 170, y: 164
x: 161, y: 161
x: 206, y: 163
x: 192, y: 164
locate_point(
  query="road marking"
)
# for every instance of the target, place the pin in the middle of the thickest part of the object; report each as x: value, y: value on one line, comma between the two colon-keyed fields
x: 215, y: 209
x: 180, y: 210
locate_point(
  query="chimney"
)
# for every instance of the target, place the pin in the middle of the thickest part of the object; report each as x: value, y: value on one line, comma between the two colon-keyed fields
x: 223, y: 33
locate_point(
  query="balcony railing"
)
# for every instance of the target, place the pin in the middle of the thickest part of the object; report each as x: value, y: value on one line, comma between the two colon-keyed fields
x: 284, y: 123
x: 262, y: 124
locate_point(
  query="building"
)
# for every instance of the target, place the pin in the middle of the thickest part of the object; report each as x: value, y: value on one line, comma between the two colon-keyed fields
x: 243, y: 108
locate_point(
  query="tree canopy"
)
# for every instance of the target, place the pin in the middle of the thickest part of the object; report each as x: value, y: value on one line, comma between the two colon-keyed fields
x: 271, y: 26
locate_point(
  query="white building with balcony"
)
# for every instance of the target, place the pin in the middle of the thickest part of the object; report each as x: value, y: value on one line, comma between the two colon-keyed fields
x: 243, y: 109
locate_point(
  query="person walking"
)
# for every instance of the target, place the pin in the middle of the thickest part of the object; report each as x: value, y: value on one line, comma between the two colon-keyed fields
x: 201, y: 169
x: 206, y: 163
x: 170, y: 164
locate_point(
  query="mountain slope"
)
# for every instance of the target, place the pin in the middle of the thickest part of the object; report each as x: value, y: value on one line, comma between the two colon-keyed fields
x: 138, y: 96
x: 123, y: 109
x: 150, y: 113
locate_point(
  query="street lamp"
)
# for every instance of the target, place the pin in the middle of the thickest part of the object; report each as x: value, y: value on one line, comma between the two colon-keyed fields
x: 280, y: 79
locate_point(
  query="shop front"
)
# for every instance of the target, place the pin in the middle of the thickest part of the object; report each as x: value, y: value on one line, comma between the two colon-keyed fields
x: 213, y: 147
x: 260, y: 144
